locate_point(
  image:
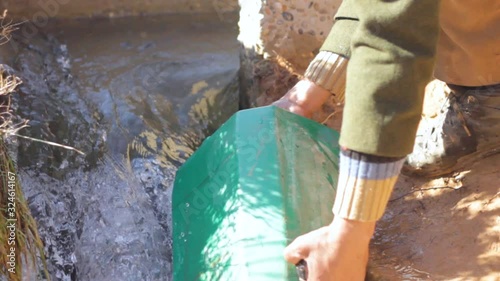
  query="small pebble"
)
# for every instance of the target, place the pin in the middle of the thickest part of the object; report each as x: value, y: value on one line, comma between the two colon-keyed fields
x: 287, y: 16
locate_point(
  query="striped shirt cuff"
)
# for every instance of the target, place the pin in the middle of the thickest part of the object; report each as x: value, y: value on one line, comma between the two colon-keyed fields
x: 328, y: 70
x: 365, y: 185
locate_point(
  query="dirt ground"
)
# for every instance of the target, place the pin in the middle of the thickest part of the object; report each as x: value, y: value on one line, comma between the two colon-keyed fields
x: 443, y: 229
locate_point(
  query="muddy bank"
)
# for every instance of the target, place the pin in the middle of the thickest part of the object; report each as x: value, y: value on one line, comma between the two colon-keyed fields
x: 137, y: 96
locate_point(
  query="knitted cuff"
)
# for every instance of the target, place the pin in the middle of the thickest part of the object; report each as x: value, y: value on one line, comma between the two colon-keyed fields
x: 328, y: 70
x: 365, y: 185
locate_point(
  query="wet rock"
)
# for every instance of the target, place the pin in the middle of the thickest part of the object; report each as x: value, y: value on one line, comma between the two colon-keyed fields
x: 57, y: 210
x: 49, y: 99
x: 122, y: 238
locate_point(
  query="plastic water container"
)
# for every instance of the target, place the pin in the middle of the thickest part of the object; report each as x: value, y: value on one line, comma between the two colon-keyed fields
x: 263, y: 178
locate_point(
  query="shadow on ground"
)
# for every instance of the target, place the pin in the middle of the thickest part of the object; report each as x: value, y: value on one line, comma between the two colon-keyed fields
x: 443, y: 229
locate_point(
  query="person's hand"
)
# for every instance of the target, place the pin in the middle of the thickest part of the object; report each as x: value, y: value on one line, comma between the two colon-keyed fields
x: 291, y: 106
x: 335, y: 252
x: 303, y: 99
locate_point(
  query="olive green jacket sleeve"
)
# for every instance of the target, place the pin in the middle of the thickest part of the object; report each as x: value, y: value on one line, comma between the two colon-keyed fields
x: 346, y: 22
x: 391, y: 50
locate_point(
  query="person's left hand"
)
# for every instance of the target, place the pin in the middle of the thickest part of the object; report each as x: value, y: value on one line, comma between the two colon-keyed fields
x: 287, y: 104
x: 303, y: 99
x: 337, y: 252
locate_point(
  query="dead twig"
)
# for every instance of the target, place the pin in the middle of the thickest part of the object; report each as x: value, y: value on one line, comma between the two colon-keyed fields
x: 49, y: 143
x: 421, y: 190
x: 6, y: 28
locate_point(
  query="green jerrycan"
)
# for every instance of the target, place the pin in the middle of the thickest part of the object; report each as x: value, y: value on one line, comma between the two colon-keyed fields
x: 263, y: 178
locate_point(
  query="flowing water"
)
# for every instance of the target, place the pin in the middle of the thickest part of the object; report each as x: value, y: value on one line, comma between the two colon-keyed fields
x: 137, y: 96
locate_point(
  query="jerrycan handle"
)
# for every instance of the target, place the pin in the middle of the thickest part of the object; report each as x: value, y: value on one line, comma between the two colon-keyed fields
x: 301, y: 267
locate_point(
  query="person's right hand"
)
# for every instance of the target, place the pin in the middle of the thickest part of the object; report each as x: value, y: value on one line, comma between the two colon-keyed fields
x: 338, y: 251
x: 303, y: 99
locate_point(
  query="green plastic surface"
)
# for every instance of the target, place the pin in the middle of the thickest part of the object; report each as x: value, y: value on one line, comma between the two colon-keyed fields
x: 263, y: 178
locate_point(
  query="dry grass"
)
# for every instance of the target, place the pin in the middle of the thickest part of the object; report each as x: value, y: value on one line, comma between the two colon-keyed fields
x: 8, y: 84
x: 27, y: 245
x: 24, y: 238
x: 6, y: 28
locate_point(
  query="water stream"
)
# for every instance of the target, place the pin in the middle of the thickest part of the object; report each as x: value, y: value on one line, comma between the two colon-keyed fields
x: 137, y: 96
